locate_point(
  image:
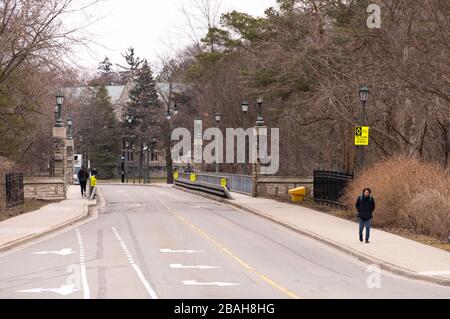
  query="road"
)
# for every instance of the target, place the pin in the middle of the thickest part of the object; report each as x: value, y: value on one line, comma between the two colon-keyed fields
x: 158, y: 242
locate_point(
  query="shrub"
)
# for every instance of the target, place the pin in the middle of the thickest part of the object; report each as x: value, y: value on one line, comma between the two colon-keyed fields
x: 408, y: 193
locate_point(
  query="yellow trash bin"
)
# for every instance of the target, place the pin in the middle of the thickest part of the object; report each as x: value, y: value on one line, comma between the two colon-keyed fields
x: 298, y: 194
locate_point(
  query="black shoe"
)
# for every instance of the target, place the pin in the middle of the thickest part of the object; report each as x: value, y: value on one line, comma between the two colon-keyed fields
x: 361, y: 239
x: 367, y: 241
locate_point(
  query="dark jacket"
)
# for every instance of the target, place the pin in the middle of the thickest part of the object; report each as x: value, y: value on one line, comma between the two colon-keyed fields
x: 365, y: 207
x: 83, y: 175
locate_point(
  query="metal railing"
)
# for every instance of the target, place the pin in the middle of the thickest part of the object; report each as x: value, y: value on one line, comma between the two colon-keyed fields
x: 329, y: 186
x: 237, y: 183
x: 214, y: 184
x: 14, y: 189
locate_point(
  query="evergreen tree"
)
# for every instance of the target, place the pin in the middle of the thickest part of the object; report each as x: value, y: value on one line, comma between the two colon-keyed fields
x: 100, y: 130
x: 144, y: 100
x: 143, y: 106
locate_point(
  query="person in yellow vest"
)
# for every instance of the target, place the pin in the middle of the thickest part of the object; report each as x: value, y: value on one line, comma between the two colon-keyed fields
x: 93, y: 183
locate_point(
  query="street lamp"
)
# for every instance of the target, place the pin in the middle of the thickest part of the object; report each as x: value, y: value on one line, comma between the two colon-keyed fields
x: 175, y: 109
x: 59, y: 104
x: 364, y: 97
x: 245, y: 106
x: 69, y: 126
x: 217, y: 117
x: 364, y: 94
x: 260, y: 120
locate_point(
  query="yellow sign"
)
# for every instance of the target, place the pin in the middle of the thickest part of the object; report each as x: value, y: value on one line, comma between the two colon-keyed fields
x: 362, y: 136
x: 93, y: 181
x: 176, y: 175
x: 193, y: 178
x: 223, y: 182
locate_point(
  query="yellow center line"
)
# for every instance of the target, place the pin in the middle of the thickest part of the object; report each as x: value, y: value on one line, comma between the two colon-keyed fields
x: 231, y: 254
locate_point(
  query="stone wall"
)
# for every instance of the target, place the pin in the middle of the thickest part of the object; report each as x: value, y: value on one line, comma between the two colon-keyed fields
x: 44, y: 188
x: 278, y: 187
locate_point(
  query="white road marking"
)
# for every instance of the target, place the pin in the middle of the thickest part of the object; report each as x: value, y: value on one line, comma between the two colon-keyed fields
x: 435, y: 273
x: 170, y: 251
x: 62, y: 252
x: 220, y: 284
x: 138, y: 271
x: 64, y: 290
x: 180, y: 266
x: 86, y: 292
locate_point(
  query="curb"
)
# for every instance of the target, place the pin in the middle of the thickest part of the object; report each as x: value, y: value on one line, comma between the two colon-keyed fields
x: 363, y: 257
x: 88, y: 210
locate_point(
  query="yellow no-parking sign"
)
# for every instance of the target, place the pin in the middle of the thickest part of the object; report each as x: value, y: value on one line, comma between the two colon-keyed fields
x: 362, y: 135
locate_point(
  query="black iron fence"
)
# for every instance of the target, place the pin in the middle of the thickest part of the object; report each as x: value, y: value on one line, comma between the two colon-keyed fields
x: 14, y: 189
x: 329, y: 186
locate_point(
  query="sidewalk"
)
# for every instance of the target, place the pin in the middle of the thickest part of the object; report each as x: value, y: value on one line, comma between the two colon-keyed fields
x: 391, y: 252
x: 26, y: 227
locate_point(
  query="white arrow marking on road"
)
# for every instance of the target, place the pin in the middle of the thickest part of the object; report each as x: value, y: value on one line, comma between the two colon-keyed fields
x: 220, y: 284
x: 62, y: 252
x: 180, y: 266
x: 181, y: 251
x: 65, y: 290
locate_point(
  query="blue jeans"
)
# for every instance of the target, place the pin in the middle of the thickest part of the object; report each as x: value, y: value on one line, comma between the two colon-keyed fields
x: 367, y: 225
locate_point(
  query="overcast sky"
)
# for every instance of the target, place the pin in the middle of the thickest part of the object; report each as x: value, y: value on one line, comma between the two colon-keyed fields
x: 152, y: 27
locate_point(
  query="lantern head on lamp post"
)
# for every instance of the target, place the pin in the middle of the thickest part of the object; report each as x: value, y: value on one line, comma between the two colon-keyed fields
x: 217, y: 117
x: 175, y: 109
x: 364, y: 94
x: 59, y: 104
x: 245, y: 107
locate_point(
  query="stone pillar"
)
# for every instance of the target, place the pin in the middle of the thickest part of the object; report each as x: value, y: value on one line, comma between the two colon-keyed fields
x: 59, y: 154
x: 69, y: 168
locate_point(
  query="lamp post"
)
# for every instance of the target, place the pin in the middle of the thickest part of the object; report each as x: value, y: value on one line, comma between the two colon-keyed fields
x: 260, y: 119
x: 259, y: 126
x: 217, y: 117
x: 169, y: 116
x: 364, y: 97
x: 129, y: 119
x: 150, y: 152
x: 245, y: 106
x: 69, y: 128
x: 59, y: 104
x: 122, y: 170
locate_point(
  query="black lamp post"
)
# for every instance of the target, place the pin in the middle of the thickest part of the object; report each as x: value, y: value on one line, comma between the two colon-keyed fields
x: 129, y: 119
x: 260, y: 119
x: 364, y: 97
x: 59, y: 104
x: 245, y: 106
x: 169, y: 161
x: 217, y: 117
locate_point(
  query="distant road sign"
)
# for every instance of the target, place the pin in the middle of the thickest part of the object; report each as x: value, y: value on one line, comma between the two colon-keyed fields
x: 362, y: 136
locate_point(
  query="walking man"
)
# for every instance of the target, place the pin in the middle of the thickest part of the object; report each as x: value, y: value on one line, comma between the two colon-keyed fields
x: 365, y: 205
x: 83, y: 177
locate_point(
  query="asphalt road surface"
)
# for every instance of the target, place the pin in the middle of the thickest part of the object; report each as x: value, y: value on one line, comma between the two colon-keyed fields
x: 154, y: 242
